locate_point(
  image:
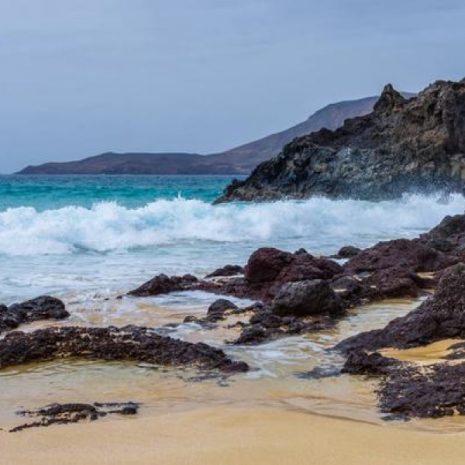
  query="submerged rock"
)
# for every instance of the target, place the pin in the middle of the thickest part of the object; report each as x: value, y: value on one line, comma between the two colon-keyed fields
x: 61, y: 414
x: 403, y: 146
x: 131, y: 343
x: 40, y: 308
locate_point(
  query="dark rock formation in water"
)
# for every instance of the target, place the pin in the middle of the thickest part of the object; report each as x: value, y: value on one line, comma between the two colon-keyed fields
x: 307, y: 298
x: 415, y: 145
x: 408, y: 389
x: 163, y: 284
x: 40, y: 308
x: 131, y: 343
x: 441, y: 316
x: 62, y: 414
x: 228, y: 270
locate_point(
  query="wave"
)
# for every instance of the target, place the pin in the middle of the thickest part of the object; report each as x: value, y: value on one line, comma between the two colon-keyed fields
x: 109, y: 226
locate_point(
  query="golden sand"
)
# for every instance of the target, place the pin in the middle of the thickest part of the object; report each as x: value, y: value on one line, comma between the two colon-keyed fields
x: 223, y: 436
x: 424, y: 355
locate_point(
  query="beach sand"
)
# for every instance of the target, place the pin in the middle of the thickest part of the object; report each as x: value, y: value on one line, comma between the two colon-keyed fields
x: 225, y: 435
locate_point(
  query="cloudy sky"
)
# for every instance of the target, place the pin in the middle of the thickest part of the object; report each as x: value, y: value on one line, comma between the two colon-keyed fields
x: 80, y: 77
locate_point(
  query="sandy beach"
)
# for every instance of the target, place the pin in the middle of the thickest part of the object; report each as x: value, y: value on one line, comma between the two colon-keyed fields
x: 230, y: 436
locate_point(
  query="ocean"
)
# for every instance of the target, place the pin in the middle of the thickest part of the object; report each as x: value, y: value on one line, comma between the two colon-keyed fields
x: 106, y: 234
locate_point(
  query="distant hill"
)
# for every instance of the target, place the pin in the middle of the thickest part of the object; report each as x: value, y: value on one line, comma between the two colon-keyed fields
x: 240, y: 160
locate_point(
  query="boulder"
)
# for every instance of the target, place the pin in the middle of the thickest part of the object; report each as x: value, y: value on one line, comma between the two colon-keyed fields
x: 40, y: 308
x: 217, y: 309
x: 399, y: 253
x: 307, y: 298
x: 163, y: 284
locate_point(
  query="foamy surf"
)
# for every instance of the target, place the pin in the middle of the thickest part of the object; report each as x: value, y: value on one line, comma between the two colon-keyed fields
x: 321, y: 224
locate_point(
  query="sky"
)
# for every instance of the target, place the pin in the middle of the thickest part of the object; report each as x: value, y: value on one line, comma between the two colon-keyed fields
x: 81, y: 77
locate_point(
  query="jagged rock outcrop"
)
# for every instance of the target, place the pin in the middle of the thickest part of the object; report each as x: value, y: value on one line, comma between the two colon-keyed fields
x: 414, y: 145
x: 441, y: 316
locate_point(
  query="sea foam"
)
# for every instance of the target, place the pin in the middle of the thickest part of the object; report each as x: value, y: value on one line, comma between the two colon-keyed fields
x: 108, y: 226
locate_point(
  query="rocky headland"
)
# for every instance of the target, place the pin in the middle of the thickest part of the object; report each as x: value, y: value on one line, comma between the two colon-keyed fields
x: 403, y: 146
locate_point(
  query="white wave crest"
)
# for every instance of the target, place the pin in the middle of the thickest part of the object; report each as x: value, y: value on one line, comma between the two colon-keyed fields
x: 111, y: 227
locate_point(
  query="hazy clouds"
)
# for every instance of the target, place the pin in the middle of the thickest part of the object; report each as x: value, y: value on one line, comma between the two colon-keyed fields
x: 79, y: 77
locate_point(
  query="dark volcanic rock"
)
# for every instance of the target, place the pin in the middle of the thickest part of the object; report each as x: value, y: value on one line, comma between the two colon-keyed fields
x: 40, y: 308
x: 436, y: 392
x: 415, y: 145
x: 265, y: 325
x: 360, y: 362
x: 130, y: 343
x: 217, y: 309
x: 399, y: 253
x: 228, y: 270
x: 268, y: 269
x: 163, y: 284
x: 441, y: 316
x: 448, y: 236
x: 307, y: 298
x: 348, y: 251
x: 61, y: 414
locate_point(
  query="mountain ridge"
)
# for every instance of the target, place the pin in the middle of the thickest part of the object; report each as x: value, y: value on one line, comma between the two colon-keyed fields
x: 237, y: 161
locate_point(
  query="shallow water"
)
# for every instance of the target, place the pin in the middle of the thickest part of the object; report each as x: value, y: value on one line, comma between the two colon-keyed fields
x: 90, y: 239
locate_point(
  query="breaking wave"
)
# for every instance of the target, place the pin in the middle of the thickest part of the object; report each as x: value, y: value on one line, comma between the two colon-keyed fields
x: 110, y: 227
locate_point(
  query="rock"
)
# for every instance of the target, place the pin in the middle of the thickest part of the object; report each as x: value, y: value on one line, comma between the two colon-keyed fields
x: 131, y: 343
x: 390, y: 283
x: 399, y: 253
x: 320, y: 372
x: 360, y: 362
x: 217, y: 309
x: 403, y: 146
x: 307, y: 298
x: 348, y: 251
x: 448, y: 236
x: 413, y: 392
x: 225, y: 271
x: 163, y: 284
x: 268, y: 269
x: 441, y: 316
x: 265, y: 326
x: 40, y: 308
x: 74, y: 413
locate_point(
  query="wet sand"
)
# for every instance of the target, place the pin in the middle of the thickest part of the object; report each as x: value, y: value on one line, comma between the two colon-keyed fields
x: 225, y: 436
x: 270, y: 416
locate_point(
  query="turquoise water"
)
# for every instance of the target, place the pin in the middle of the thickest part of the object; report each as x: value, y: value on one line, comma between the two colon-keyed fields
x: 46, y: 192
x: 85, y: 238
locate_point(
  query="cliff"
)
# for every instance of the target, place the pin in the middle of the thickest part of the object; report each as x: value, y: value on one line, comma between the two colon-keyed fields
x: 404, y: 145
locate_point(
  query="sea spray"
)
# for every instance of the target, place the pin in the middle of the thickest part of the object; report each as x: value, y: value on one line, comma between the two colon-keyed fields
x: 319, y: 223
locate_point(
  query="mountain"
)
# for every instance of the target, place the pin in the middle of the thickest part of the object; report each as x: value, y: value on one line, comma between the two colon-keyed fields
x: 404, y: 145
x: 240, y: 160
